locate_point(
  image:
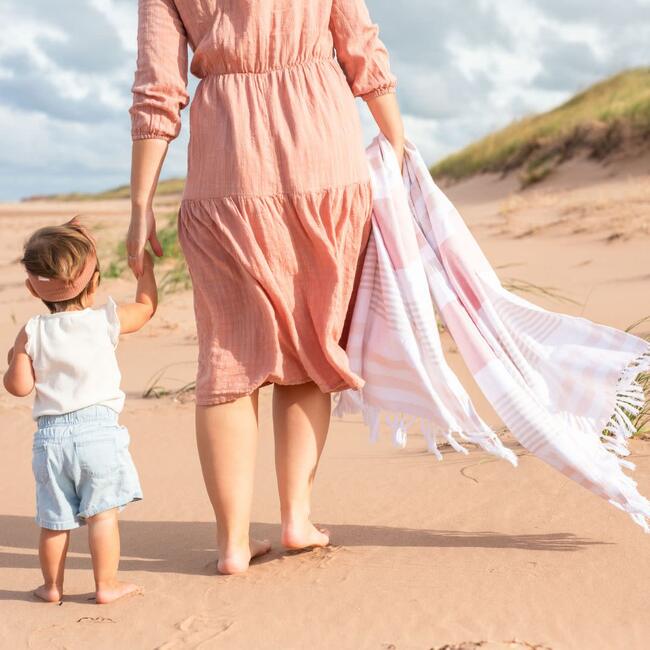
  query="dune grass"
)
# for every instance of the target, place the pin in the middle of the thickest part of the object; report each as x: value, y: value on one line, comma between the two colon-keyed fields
x: 167, y: 187
x: 620, y: 102
x: 642, y: 420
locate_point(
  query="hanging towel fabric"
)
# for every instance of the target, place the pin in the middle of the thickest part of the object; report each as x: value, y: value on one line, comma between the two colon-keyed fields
x: 567, y: 388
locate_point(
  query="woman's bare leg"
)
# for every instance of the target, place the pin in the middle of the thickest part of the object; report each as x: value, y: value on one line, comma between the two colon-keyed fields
x: 301, y: 416
x: 226, y: 436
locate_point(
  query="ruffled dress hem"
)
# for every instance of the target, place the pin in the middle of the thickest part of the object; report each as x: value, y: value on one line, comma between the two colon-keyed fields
x: 274, y: 279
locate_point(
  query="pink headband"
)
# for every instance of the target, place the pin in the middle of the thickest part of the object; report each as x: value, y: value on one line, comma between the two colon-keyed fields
x: 57, y: 289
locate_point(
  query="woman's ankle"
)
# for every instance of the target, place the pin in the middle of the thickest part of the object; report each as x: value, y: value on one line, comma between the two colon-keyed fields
x: 233, y: 542
x: 236, y: 560
x: 295, y: 514
x: 303, y: 535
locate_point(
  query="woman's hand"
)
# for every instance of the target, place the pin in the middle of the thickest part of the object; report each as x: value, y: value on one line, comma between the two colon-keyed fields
x: 142, y: 229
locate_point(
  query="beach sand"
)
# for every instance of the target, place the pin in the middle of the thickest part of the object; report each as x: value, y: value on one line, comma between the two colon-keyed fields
x: 424, y: 554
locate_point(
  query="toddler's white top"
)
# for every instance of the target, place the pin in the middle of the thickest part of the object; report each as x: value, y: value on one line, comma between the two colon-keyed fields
x: 73, y: 355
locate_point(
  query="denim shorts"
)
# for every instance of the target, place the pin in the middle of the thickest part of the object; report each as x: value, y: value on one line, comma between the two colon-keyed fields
x: 82, y: 467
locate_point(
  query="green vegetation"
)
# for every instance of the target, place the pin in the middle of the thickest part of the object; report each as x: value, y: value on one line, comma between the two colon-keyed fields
x: 165, y: 188
x: 600, y: 120
x: 175, y: 275
x: 642, y: 420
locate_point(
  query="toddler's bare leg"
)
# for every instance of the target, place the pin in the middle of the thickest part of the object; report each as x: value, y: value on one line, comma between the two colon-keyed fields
x: 52, y: 549
x: 104, y: 542
x: 301, y: 416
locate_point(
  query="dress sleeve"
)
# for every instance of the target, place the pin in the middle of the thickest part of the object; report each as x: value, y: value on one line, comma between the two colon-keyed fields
x: 160, y: 85
x: 360, y: 52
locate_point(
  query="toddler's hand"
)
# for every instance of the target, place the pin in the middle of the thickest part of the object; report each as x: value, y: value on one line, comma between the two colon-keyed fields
x: 147, y: 260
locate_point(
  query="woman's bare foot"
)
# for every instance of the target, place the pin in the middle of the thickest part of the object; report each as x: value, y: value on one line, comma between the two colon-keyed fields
x: 49, y: 593
x: 112, y: 592
x: 304, y: 535
x: 233, y: 562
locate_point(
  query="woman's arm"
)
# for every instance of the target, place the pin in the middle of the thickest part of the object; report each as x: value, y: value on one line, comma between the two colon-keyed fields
x: 365, y: 62
x: 147, y: 157
x: 19, y: 378
x: 386, y: 113
x: 159, y: 95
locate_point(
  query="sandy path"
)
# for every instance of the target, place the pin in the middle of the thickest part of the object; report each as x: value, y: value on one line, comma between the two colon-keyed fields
x: 425, y: 553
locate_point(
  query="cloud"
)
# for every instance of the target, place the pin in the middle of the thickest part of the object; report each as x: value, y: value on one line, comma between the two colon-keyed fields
x: 463, y: 69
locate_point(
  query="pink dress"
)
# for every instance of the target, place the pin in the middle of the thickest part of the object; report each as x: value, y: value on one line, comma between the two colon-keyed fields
x: 276, y: 208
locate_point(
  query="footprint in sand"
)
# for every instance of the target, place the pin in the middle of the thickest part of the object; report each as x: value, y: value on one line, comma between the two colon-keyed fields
x: 197, y: 632
x: 319, y: 556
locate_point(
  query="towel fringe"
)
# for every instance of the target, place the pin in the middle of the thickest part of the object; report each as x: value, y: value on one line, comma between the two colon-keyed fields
x: 349, y: 402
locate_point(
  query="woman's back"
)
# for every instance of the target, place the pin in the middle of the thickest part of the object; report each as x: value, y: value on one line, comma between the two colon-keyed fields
x: 274, y: 110
x: 235, y: 36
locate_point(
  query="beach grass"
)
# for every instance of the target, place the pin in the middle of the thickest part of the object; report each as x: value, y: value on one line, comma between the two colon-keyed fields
x: 169, y: 187
x: 600, y: 118
x: 642, y: 420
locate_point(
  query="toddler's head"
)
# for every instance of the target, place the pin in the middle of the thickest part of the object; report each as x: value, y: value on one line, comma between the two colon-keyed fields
x: 62, y: 266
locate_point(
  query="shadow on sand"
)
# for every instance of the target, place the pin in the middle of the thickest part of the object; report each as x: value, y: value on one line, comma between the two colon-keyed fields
x: 189, y: 548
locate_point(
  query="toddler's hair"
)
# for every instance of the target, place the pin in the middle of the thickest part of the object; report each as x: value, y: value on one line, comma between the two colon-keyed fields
x: 60, y: 252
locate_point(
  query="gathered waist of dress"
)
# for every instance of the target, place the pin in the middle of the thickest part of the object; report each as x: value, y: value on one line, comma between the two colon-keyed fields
x: 301, y: 63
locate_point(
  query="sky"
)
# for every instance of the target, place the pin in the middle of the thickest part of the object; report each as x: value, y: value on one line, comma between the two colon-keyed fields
x: 464, y: 68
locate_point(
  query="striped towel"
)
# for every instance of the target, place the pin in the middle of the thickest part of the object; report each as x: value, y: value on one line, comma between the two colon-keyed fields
x: 565, y: 387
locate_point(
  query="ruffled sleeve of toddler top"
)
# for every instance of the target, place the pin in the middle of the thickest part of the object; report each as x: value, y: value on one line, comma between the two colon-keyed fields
x: 359, y: 50
x: 160, y: 85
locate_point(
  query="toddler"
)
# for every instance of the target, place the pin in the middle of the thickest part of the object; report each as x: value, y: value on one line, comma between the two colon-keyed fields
x: 81, y: 461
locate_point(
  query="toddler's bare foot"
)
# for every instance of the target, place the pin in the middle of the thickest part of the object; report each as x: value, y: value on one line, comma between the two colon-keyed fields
x: 49, y: 593
x: 303, y: 535
x: 116, y: 590
x: 233, y: 562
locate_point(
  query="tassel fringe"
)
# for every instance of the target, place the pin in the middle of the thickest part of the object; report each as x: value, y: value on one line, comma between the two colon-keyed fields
x: 349, y: 402
x: 630, y: 402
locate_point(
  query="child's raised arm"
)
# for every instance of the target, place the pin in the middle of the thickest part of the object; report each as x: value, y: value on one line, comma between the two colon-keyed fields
x: 134, y: 315
x: 19, y: 378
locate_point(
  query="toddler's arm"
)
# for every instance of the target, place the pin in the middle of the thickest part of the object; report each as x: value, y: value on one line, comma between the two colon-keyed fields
x: 19, y: 378
x: 134, y: 315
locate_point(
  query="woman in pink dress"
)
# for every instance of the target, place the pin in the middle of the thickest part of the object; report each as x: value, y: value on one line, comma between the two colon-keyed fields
x: 273, y: 223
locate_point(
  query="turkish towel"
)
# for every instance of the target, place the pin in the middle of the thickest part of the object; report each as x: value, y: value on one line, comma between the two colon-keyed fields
x: 565, y: 387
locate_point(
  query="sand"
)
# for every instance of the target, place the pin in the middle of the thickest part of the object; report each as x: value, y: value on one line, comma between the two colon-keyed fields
x: 464, y: 553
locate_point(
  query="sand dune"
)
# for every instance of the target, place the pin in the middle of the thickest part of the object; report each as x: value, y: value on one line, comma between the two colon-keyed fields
x: 465, y: 553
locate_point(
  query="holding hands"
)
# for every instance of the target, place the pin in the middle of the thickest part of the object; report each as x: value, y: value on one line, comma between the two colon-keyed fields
x: 142, y: 229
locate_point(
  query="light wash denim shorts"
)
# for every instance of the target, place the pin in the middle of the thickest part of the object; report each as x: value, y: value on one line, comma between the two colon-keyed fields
x: 82, y: 467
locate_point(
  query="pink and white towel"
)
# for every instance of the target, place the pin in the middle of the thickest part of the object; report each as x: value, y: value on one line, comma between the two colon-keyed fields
x: 565, y: 387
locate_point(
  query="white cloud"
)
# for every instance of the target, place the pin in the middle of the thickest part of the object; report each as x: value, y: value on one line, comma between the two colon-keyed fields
x: 463, y: 69
x: 121, y: 15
